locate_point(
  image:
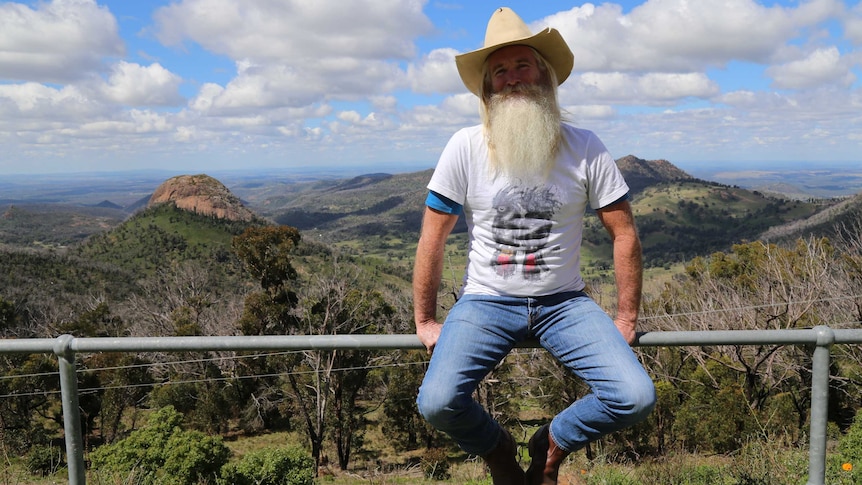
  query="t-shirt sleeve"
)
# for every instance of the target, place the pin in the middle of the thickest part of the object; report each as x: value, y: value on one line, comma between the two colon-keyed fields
x: 606, y: 182
x: 450, y: 177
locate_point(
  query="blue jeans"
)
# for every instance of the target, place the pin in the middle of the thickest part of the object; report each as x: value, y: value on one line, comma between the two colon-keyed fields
x: 480, y: 331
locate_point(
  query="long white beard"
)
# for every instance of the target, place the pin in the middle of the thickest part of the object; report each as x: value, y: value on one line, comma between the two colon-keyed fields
x: 523, y: 130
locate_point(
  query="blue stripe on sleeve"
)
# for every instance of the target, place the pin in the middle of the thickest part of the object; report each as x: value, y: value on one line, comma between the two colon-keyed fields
x: 625, y: 197
x: 443, y: 204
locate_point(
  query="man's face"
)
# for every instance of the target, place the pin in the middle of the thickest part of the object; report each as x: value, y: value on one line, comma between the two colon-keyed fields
x: 511, y: 66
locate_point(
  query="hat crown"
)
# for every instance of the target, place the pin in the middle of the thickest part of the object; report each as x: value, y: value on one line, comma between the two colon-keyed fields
x: 505, y: 26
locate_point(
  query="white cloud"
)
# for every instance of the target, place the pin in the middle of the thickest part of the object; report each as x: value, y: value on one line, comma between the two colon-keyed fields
x: 59, y: 41
x: 748, y: 125
x: 853, y: 25
x: 576, y: 114
x: 185, y: 133
x: 279, y: 31
x: 822, y: 66
x: 207, y: 94
x: 647, y: 89
x: 676, y: 86
x: 680, y: 35
x: 257, y: 86
x: 44, y: 104
x: 274, y: 85
x: 135, y: 85
x: 435, y: 73
x: 135, y: 122
x: 386, y: 104
x: 349, y: 116
x: 299, y: 53
x: 740, y: 99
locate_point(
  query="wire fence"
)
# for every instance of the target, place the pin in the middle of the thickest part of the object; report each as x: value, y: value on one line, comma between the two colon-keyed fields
x: 66, y: 348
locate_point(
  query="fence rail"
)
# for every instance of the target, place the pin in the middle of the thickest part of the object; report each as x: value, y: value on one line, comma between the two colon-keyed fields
x: 66, y: 347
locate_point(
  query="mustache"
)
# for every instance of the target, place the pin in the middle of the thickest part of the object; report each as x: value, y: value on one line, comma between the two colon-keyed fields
x: 532, y: 91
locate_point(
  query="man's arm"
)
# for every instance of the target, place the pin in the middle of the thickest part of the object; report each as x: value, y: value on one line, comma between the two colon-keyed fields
x: 628, y: 267
x: 427, y: 273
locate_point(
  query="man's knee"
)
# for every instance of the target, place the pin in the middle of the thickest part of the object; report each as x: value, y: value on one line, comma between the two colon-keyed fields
x: 438, y: 406
x: 636, y: 401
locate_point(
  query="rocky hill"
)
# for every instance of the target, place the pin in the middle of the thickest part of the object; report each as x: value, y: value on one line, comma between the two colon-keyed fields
x: 640, y: 173
x: 202, y: 195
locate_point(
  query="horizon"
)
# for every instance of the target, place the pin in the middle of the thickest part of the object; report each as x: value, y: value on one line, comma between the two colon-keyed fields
x: 112, y: 85
x: 706, y: 166
x: 794, y: 179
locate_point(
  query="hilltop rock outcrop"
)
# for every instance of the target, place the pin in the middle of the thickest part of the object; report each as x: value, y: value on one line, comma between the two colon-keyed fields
x: 201, y: 194
x: 640, y: 173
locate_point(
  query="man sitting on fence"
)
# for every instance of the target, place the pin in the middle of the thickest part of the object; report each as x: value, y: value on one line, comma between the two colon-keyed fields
x: 523, y: 179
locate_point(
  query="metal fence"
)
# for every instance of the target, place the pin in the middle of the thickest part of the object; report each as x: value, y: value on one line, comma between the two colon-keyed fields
x: 65, y: 347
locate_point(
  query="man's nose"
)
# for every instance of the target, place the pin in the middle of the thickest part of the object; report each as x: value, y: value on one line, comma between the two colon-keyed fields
x: 513, y: 79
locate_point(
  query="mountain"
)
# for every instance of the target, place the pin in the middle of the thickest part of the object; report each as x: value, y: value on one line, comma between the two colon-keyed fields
x: 39, y: 225
x: 640, y: 174
x: 680, y: 220
x: 203, y: 195
x: 830, y: 222
x: 678, y: 216
x: 187, y: 218
x: 107, y: 204
x: 385, y: 204
x: 377, y: 205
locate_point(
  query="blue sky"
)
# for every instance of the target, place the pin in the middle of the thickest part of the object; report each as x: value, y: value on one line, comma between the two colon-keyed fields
x: 212, y: 85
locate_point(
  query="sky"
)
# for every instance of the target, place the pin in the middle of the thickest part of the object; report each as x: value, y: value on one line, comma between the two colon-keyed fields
x: 209, y: 85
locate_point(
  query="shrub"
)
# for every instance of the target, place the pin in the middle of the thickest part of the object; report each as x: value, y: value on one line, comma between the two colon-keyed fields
x: 163, y: 453
x: 611, y: 476
x: 44, y: 460
x: 714, y: 417
x: 282, y: 466
x: 678, y: 471
x: 761, y: 462
x: 845, y: 466
x: 435, y: 464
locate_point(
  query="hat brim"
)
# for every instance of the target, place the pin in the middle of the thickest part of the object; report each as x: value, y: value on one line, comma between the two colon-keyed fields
x: 548, y: 42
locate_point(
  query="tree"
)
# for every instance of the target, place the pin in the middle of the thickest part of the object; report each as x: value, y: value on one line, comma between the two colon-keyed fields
x: 30, y: 412
x: 124, y: 378
x: 267, y: 253
x: 406, y: 429
x: 756, y: 286
x: 336, y: 302
x: 183, y: 299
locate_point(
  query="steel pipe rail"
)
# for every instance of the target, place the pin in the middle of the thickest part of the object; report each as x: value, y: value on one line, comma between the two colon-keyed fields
x: 66, y: 347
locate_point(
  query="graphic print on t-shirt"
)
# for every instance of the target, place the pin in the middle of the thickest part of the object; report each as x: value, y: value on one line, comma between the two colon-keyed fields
x: 522, y: 223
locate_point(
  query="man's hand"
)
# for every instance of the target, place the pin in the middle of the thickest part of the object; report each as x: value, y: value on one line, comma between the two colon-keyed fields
x: 428, y: 333
x: 627, y: 328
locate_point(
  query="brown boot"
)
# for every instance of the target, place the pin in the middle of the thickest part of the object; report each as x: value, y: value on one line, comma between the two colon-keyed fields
x: 546, y: 458
x: 503, y: 463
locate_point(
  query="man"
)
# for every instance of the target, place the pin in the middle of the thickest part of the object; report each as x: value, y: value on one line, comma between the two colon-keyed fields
x: 523, y: 180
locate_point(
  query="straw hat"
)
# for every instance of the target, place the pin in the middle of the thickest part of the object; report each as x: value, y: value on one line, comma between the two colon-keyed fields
x: 506, y: 28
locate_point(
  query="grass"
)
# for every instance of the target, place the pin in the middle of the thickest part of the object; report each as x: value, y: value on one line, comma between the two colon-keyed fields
x: 758, y: 462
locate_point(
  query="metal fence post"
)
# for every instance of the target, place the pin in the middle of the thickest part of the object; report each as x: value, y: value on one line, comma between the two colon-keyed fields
x: 819, y: 405
x: 71, y: 411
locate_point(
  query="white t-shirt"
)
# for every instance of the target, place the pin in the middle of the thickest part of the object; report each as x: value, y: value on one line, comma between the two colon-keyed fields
x: 525, y: 237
